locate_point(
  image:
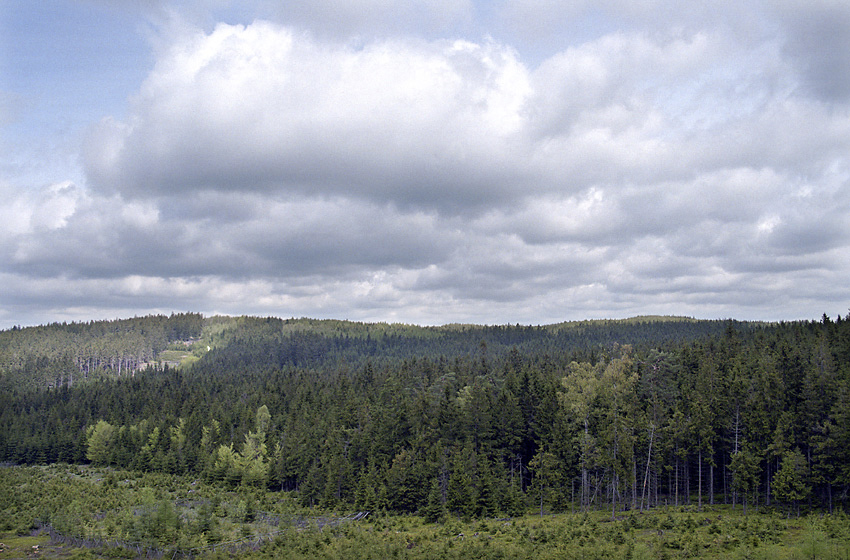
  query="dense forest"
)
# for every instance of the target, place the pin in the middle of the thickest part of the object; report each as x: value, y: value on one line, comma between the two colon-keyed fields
x: 464, y: 420
x: 64, y: 354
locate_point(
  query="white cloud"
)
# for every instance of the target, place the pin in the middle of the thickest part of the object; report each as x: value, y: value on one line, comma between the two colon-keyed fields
x: 264, y: 108
x: 672, y: 166
x: 48, y: 209
x: 448, y: 125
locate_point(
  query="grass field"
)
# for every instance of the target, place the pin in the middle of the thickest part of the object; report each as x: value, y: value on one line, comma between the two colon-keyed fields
x: 182, y: 357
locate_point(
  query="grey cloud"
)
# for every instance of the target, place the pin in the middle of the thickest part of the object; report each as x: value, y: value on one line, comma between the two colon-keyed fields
x: 802, y: 235
x: 219, y: 207
x: 339, y: 236
x: 108, y: 238
x: 546, y: 25
x: 59, y: 298
x: 819, y: 42
x: 345, y: 18
x: 606, y: 215
x: 503, y: 268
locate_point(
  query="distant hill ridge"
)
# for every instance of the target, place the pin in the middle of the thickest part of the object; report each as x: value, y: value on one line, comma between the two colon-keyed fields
x: 60, y: 354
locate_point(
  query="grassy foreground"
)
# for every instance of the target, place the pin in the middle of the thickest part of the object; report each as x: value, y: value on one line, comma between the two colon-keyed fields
x: 79, y: 512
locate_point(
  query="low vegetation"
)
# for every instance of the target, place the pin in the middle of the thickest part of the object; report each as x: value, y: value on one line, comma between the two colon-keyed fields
x: 75, y: 511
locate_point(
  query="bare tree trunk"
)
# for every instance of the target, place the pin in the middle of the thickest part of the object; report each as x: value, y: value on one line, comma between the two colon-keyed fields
x: 677, y: 481
x: 584, y: 489
x: 584, y: 482
x: 614, y: 479
x: 634, y: 481
x: 829, y: 495
x: 699, y: 482
x: 734, y: 451
x: 648, y: 460
x: 541, y: 502
x: 669, y: 483
x: 614, y: 497
x: 711, y: 483
x: 767, y: 483
x: 655, y: 489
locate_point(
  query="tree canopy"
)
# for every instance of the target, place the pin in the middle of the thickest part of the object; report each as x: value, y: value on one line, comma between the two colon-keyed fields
x: 462, y: 419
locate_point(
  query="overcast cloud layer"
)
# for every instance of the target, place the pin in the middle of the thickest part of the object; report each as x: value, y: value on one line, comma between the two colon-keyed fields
x: 427, y: 162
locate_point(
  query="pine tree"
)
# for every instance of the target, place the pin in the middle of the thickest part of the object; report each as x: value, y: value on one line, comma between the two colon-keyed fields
x: 546, y: 469
x: 789, y: 482
x: 434, y: 510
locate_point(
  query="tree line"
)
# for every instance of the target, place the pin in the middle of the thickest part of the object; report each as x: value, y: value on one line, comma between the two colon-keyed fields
x: 475, y: 421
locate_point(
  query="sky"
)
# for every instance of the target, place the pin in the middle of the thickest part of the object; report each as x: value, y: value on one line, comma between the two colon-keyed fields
x: 424, y: 161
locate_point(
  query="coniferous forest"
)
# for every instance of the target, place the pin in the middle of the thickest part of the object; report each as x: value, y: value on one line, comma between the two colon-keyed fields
x: 464, y: 422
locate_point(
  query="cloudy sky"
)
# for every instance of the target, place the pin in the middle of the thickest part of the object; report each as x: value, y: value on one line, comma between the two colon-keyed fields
x: 424, y: 161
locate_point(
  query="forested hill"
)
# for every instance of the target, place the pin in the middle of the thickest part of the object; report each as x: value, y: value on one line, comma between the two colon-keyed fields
x: 66, y: 354
x: 472, y: 420
x: 262, y: 343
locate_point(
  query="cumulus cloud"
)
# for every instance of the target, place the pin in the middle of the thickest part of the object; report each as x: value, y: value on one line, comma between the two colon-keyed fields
x: 266, y: 109
x: 448, y: 125
x: 689, y: 168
